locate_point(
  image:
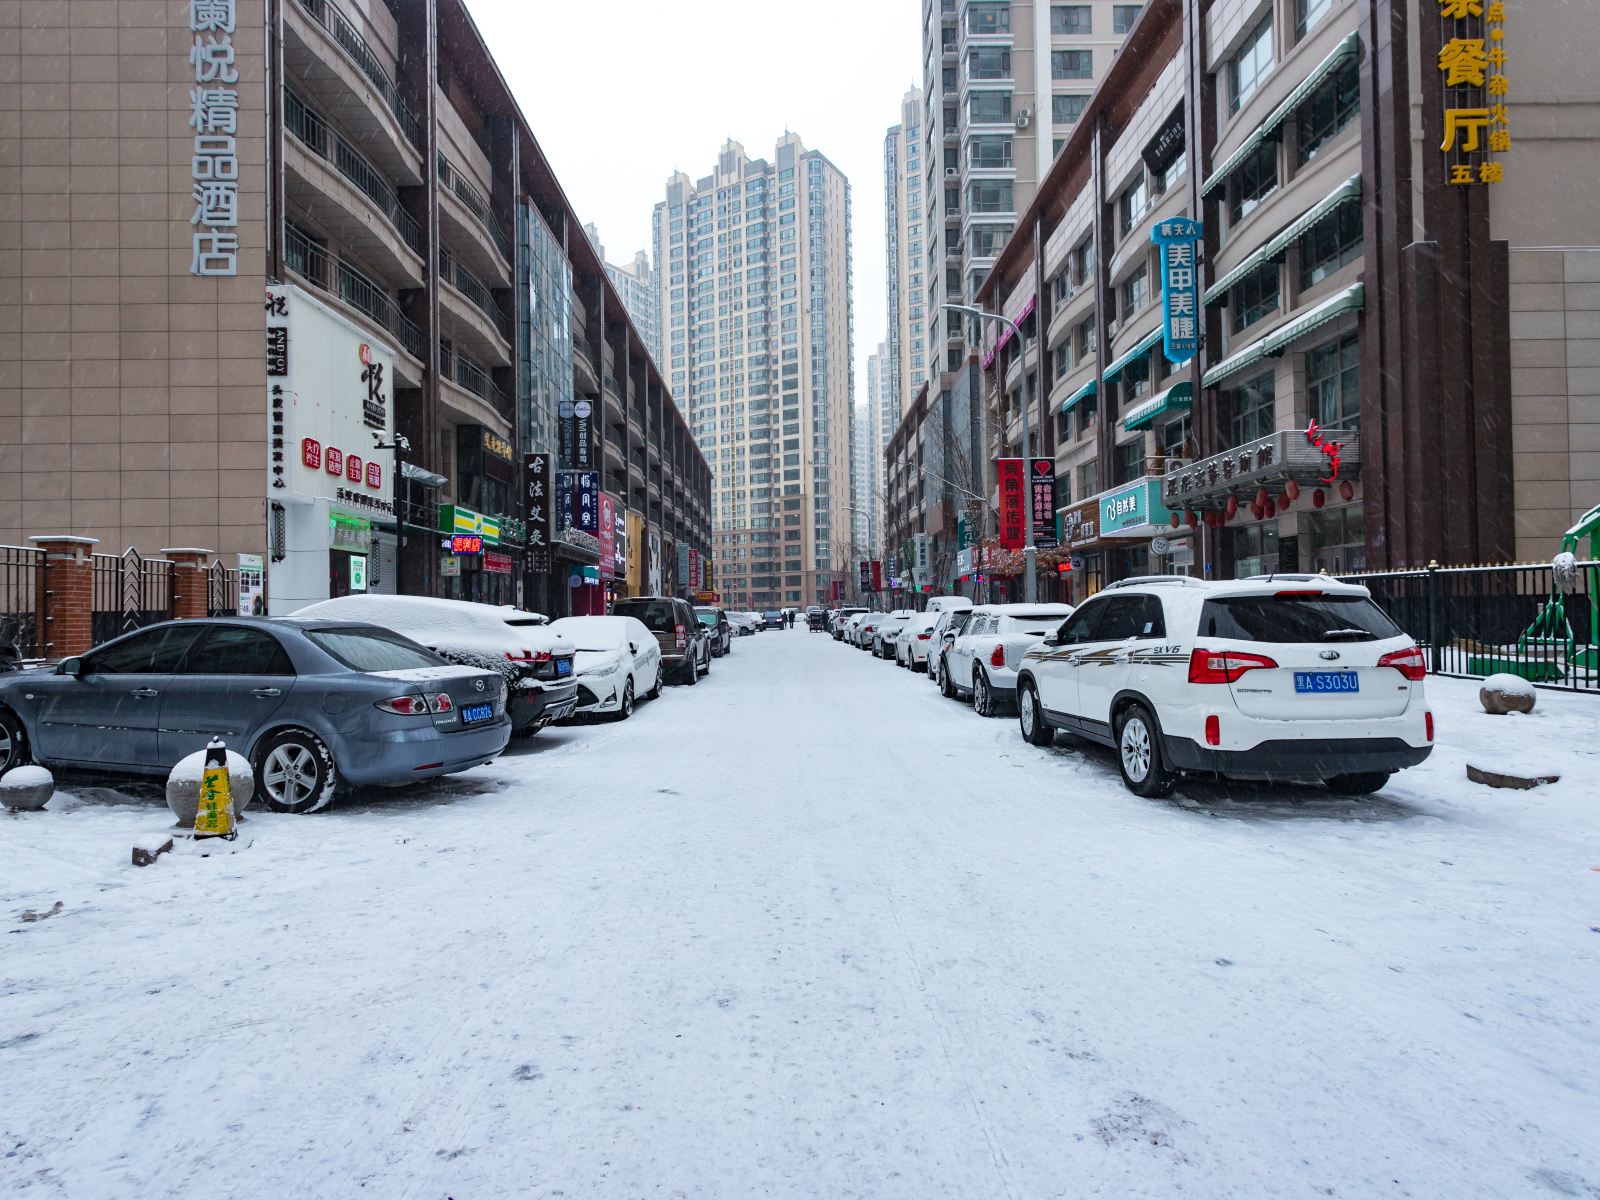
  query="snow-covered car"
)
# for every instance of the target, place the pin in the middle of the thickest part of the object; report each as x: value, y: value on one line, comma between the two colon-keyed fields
x: 313, y: 705
x: 840, y: 623
x: 911, y: 644
x: 536, y: 662
x: 887, y: 630
x: 945, y: 631
x: 744, y: 623
x: 617, y: 662
x: 685, y: 648
x: 862, y: 631
x: 983, y: 661
x: 1289, y: 678
x: 718, y: 629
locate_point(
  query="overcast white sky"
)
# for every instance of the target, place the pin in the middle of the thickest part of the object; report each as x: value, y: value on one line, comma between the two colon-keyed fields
x: 621, y: 93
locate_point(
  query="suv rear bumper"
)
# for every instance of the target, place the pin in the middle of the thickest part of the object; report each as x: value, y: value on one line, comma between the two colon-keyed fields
x: 1295, y: 761
x: 534, y: 708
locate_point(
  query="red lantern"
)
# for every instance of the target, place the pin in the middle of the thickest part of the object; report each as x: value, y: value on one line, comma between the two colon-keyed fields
x: 1255, y: 511
x: 1173, y: 520
x: 1292, y: 490
x: 1318, y: 498
x: 1190, y: 518
x: 1261, y: 497
x: 1283, y: 502
x: 1347, y: 490
x: 1233, y: 507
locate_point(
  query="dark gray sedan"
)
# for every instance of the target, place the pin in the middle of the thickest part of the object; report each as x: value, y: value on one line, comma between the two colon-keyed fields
x: 314, y: 705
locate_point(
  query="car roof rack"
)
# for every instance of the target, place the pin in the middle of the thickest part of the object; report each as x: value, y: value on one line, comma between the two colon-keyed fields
x: 1143, y: 580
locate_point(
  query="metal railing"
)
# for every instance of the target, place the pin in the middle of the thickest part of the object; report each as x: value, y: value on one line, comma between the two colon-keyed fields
x: 474, y: 289
x: 473, y: 199
x: 349, y: 39
x: 316, y: 135
x: 313, y: 263
x: 22, y: 590
x: 470, y: 375
x: 1513, y: 619
x: 222, y: 591
x: 129, y: 592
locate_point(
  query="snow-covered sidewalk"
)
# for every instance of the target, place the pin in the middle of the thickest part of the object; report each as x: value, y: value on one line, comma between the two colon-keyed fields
x: 809, y: 930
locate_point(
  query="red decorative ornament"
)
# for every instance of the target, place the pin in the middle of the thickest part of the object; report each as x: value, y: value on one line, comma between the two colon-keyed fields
x: 1347, y: 490
x: 1284, y: 502
x: 1318, y: 498
x: 1261, y: 497
x: 1191, y: 519
x: 1292, y: 490
x: 1233, y: 507
x: 1173, y: 520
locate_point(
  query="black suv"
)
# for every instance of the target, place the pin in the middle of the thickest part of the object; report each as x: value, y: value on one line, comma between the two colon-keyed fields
x: 685, y: 646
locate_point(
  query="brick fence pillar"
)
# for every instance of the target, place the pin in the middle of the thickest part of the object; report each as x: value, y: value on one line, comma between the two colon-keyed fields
x: 68, y: 596
x: 191, y: 591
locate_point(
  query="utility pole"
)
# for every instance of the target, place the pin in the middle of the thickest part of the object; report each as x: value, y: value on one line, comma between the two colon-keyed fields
x: 1030, y: 552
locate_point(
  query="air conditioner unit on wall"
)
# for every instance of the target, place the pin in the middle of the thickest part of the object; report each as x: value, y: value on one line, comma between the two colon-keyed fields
x: 1023, y: 117
x: 952, y: 170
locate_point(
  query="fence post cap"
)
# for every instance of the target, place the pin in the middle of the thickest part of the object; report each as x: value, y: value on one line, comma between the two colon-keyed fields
x: 187, y: 552
x: 43, y: 539
x: 1433, y: 564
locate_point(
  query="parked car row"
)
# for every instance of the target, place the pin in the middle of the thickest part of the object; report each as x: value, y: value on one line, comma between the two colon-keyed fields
x: 1285, y: 678
x: 356, y: 691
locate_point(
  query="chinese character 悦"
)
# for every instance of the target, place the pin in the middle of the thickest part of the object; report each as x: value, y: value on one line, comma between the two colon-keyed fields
x: 213, y: 61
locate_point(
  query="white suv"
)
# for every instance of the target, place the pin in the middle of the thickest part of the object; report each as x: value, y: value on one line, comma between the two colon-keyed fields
x: 1292, y: 678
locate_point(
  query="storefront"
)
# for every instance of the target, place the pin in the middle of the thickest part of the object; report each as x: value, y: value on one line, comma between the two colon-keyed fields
x: 331, y: 489
x: 1135, y: 516
x: 479, y: 555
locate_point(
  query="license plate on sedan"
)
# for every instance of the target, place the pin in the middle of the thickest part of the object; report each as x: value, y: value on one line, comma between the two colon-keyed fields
x: 472, y: 714
x: 563, y: 666
x: 1321, y: 682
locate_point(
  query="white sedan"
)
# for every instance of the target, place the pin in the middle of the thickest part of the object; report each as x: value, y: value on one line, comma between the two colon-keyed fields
x: 887, y: 630
x: 916, y: 636
x: 983, y: 661
x: 618, y: 660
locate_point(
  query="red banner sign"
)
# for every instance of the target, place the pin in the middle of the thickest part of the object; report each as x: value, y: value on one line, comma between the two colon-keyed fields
x: 877, y: 575
x: 608, y: 536
x: 497, y: 563
x: 1013, y: 501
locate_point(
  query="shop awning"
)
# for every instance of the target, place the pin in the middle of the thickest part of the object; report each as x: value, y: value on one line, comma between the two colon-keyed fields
x: 1142, y: 347
x: 1345, y: 193
x: 1234, y: 363
x: 1082, y: 393
x: 1275, y: 119
x: 1352, y: 299
x: 1179, y: 395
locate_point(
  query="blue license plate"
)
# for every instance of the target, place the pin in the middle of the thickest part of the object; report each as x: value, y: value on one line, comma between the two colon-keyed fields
x: 563, y: 666
x: 473, y: 713
x: 1326, y: 681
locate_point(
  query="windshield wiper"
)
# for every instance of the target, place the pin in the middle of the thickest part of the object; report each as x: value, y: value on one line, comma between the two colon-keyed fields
x: 1348, y: 635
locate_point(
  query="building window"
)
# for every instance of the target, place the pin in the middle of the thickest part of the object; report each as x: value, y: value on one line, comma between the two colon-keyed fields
x: 1250, y: 64
x: 1131, y: 205
x: 1330, y: 244
x: 1071, y: 64
x: 1070, y: 19
x: 1135, y: 292
x: 989, y: 108
x: 1175, y: 437
x: 1252, y: 181
x: 1254, y: 296
x: 1065, y: 110
x: 1130, y: 460
x: 1307, y: 13
x: 990, y: 196
x: 1082, y: 262
x: 987, y: 241
x: 1254, y: 405
x: 1123, y: 16
x: 1085, y: 339
x: 989, y: 62
x: 989, y: 18
x: 1333, y: 384
x: 1327, y: 111
x: 1088, y: 479
x: 1135, y: 378
x: 989, y: 152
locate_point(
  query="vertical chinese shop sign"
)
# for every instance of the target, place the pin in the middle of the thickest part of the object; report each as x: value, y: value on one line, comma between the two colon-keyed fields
x: 1011, y: 474
x: 1472, y: 69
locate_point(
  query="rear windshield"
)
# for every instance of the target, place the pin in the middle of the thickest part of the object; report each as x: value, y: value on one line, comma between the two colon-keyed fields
x: 373, y: 649
x: 657, y: 615
x: 1291, y: 618
x: 705, y: 618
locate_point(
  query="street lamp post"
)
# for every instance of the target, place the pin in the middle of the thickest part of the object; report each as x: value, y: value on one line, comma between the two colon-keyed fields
x: 1030, y: 552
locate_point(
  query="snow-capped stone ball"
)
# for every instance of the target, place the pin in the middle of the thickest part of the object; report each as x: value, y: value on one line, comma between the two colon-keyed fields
x: 1502, y: 694
x: 183, y: 785
x: 26, y: 789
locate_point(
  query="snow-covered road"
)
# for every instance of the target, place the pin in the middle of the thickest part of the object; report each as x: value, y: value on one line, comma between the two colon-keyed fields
x: 808, y: 930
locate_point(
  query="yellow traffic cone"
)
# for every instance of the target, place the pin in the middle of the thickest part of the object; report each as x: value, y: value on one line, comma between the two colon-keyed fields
x: 214, y: 817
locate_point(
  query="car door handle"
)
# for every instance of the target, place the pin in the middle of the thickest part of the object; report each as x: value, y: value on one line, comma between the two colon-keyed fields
x: 266, y: 693
x: 144, y: 693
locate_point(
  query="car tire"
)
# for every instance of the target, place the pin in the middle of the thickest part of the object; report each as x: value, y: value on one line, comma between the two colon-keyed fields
x: 625, y: 709
x: 692, y: 676
x: 295, y: 772
x: 947, y: 686
x: 1139, y: 753
x: 13, y: 742
x: 1360, y: 783
x: 1036, y: 731
x: 655, y: 688
x: 982, y: 696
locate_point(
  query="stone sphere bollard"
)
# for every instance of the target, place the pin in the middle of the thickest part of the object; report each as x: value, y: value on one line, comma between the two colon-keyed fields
x: 1502, y: 694
x: 183, y: 786
x: 26, y: 789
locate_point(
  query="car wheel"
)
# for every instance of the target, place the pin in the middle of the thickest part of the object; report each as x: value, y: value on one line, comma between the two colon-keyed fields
x: 625, y: 710
x: 692, y: 676
x: 295, y: 773
x: 13, y: 743
x: 947, y: 686
x: 1036, y: 730
x: 1359, y: 783
x: 982, y: 697
x: 655, y: 688
x: 1139, y: 754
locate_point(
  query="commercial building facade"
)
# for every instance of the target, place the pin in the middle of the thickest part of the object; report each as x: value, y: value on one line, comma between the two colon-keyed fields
x: 905, y: 234
x: 636, y: 283
x: 754, y: 263
x: 363, y: 166
x: 1392, y: 292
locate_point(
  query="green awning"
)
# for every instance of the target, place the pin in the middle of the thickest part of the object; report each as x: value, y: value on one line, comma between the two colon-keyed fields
x: 1234, y: 363
x: 1082, y: 393
x: 1179, y: 395
x: 1347, y: 192
x: 1275, y: 119
x: 1352, y: 299
x: 1142, y: 347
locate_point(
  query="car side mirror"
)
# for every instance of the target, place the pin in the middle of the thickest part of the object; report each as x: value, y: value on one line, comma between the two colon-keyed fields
x: 633, y: 647
x: 1051, y: 640
x: 70, y: 666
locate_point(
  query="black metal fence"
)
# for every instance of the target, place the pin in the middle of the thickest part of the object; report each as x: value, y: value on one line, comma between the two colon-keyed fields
x: 21, y: 595
x: 222, y: 591
x: 1477, y: 621
x: 130, y: 592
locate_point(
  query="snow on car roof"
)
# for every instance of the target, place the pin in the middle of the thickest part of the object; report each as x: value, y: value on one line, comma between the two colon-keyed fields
x: 611, y: 631
x: 424, y: 613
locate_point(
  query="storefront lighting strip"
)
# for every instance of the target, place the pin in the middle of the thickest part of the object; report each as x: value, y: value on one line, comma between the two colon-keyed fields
x: 1082, y: 393
x: 1140, y: 349
x: 1179, y: 395
x: 1346, y: 192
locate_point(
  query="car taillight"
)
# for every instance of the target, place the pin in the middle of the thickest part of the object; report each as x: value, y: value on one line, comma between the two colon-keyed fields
x: 1213, y: 730
x: 404, y: 706
x: 1223, y: 666
x: 922, y: 637
x: 1427, y: 721
x: 683, y: 638
x: 997, y: 657
x: 1409, y: 662
x: 541, y: 656
x: 438, y: 702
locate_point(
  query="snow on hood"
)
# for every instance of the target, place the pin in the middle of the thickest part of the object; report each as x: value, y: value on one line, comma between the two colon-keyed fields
x: 585, y: 661
x: 451, y: 625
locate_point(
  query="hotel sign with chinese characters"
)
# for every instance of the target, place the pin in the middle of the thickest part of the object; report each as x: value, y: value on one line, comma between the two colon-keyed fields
x: 214, y: 118
x: 1472, y: 68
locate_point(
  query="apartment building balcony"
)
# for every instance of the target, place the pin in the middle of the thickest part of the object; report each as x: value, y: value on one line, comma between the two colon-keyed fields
x: 468, y: 224
x: 584, y: 375
x: 615, y: 459
x: 358, y: 296
x: 325, y: 174
x: 471, y: 393
x: 335, y: 59
x: 469, y: 314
